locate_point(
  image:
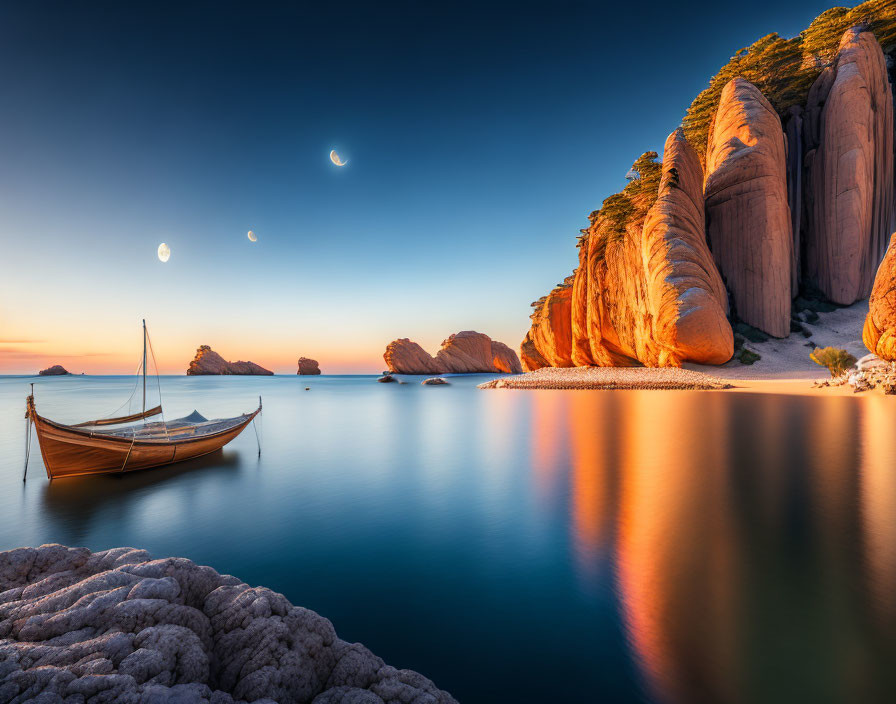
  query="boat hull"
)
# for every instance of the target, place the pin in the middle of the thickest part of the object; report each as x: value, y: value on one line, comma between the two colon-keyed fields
x: 70, y: 453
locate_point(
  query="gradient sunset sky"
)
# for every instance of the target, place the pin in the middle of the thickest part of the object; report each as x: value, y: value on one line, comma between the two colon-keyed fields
x: 479, y: 137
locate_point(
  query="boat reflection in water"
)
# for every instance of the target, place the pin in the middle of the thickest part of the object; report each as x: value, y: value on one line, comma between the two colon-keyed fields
x: 754, y: 549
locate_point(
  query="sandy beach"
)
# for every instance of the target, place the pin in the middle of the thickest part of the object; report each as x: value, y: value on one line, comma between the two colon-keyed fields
x: 784, y: 366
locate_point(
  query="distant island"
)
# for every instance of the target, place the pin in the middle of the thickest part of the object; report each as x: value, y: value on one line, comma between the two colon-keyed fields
x: 467, y: 352
x: 308, y: 366
x: 209, y: 362
x: 55, y: 370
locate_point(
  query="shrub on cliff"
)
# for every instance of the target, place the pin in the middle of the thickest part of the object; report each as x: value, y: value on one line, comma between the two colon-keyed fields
x: 626, y: 208
x: 784, y: 69
x: 835, y: 359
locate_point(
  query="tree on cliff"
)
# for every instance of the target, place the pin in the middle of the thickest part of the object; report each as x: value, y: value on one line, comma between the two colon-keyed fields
x: 784, y: 69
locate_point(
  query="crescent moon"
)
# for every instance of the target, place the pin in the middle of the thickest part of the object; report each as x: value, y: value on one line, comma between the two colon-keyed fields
x: 334, y: 157
x: 164, y: 252
x: 252, y: 236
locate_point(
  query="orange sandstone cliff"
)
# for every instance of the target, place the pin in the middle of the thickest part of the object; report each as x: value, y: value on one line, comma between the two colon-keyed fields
x: 730, y: 228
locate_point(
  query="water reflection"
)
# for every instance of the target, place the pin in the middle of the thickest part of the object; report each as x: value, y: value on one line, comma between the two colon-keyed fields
x: 669, y: 547
x: 73, y: 506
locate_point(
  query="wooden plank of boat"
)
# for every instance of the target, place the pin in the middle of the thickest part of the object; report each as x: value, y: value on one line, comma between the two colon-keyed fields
x: 121, y: 419
x: 74, y: 451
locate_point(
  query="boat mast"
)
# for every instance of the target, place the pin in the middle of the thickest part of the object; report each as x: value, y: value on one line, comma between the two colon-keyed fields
x: 144, y: 366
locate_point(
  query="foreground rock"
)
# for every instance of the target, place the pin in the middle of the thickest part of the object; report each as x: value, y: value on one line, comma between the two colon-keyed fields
x: 116, y: 626
x: 207, y: 361
x: 609, y: 378
x: 465, y: 352
x: 879, y: 333
x: 55, y: 370
x: 434, y: 381
x: 850, y: 119
x: 748, y: 219
x: 308, y: 366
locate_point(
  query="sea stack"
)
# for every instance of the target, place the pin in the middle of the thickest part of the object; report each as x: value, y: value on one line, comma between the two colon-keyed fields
x: 747, y: 215
x: 209, y: 362
x: 467, y: 352
x: 308, y: 366
x: 850, y: 119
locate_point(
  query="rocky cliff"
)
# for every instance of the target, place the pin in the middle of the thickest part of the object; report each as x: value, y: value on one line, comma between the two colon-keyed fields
x: 465, y: 352
x: 744, y: 213
x: 849, y: 123
x: 117, y: 626
x: 646, y: 290
x: 207, y: 361
x: 308, y: 366
x: 747, y: 216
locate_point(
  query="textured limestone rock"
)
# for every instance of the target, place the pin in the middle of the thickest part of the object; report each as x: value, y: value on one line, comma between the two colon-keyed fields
x: 55, y: 370
x: 793, y: 135
x: 748, y: 218
x: 406, y: 357
x: 308, y: 366
x: 434, y: 381
x: 116, y: 626
x: 551, y: 332
x: 207, y: 361
x: 465, y: 352
x: 469, y: 352
x: 686, y: 298
x: 879, y: 334
x: 850, y: 115
x: 530, y: 356
x: 581, y: 346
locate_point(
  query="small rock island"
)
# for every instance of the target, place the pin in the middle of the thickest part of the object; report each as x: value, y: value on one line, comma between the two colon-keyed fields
x: 119, y: 626
x: 55, y: 370
x: 207, y: 361
x: 308, y: 367
x: 466, y: 352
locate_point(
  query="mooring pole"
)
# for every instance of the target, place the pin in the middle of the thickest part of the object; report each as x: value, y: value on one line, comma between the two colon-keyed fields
x: 28, y: 406
x: 144, y: 369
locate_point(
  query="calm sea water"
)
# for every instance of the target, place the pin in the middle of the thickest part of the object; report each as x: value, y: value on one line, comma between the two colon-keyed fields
x: 619, y: 546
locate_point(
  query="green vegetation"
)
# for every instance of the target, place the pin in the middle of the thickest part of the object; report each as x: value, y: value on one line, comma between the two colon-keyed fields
x: 784, y: 69
x: 626, y: 208
x: 835, y: 359
x: 748, y: 356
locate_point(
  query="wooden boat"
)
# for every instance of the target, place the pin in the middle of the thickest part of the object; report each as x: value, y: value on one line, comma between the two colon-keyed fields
x: 124, y: 444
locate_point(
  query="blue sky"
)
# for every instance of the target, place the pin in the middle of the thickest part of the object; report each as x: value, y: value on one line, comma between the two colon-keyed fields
x: 479, y: 137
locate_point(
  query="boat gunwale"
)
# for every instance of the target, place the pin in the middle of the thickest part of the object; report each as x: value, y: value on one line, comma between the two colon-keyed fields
x: 133, y: 441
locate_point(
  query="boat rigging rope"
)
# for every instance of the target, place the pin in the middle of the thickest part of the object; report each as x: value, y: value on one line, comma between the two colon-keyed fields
x: 257, y: 437
x: 27, y: 443
x: 255, y: 427
x: 158, y: 383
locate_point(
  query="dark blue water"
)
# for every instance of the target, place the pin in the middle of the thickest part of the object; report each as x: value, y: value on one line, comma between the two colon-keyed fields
x: 523, y: 546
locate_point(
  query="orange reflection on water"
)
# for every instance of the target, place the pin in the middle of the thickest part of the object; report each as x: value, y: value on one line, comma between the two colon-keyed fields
x: 550, y: 437
x: 594, y: 422
x: 878, y: 497
x: 676, y: 574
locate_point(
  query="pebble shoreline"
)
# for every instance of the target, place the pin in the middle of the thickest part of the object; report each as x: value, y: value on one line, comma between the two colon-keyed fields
x: 610, y: 378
